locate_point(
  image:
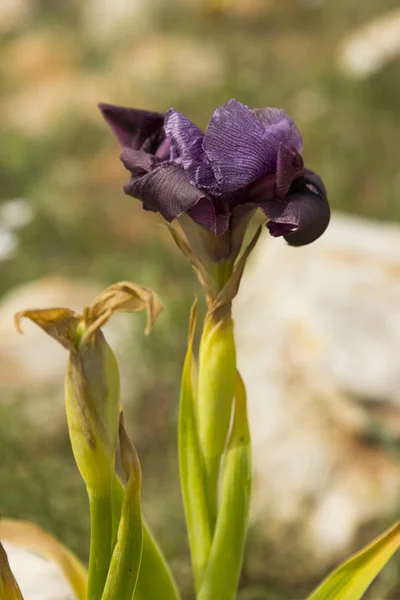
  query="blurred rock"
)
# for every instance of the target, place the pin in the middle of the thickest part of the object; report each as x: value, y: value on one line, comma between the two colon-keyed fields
x: 38, y: 578
x: 33, y: 361
x: 48, y: 100
x: 371, y: 46
x: 39, y: 54
x: 171, y: 61
x: 14, y: 13
x: 318, y: 331
x: 102, y: 20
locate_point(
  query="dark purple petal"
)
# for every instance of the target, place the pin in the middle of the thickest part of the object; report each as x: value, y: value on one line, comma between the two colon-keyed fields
x: 187, y: 148
x: 203, y: 213
x: 135, y: 128
x: 235, y: 147
x: 137, y: 162
x: 304, y: 215
x: 162, y: 186
x: 278, y: 123
x: 289, y: 166
x: 243, y: 145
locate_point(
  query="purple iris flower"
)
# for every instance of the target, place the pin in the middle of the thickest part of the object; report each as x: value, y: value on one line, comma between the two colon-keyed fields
x: 247, y: 159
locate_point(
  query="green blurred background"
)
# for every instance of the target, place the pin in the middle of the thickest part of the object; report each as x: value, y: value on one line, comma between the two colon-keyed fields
x: 60, y: 175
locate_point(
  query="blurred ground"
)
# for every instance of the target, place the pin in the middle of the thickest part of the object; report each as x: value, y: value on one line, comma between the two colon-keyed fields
x: 63, y: 212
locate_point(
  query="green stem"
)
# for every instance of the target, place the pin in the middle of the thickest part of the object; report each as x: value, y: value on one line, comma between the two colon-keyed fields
x: 225, y: 563
x: 216, y: 385
x: 155, y: 579
x: 100, y: 542
x: 223, y: 271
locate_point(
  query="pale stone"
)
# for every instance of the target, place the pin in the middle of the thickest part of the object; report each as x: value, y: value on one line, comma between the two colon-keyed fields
x: 37, y: 577
x: 164, y: 60
x: 318, y: 332
x: 14, y: 13
x: 371, y: 46
x: 33, y: 361
x: 102, y: 19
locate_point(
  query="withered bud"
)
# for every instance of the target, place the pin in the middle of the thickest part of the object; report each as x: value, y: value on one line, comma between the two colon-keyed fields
x: 92, y: 379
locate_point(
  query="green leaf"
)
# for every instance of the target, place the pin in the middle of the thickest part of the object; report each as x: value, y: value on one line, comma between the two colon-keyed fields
x: 192, y: 468
x: 29, y: 535
x: 125, y: 563
x: 353, y: 577
x: 9, y: 589
x: 225, y: 563
x: 155, y: 579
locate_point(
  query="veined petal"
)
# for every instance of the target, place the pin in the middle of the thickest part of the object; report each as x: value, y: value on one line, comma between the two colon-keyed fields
x: 134, y: 127
x: 163, y: 188
x: 304, y: 215
x: 187, y: 148
x: 235, y: 146
x: 289, y: 166
x: 243, y: 145
x: 278, y: 123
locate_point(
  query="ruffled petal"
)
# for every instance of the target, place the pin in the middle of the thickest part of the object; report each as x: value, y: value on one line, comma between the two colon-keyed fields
x: 243, y: 145
x: 136, y: 129
x: 161, y: 186
x: 187, y: 148
x: 235, y: 147
x: 278, y: 124
x: 304, y: 215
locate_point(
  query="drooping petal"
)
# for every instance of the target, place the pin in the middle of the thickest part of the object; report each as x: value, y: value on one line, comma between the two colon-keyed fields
x: 304, y: 215
x: 187, y: 149
x: 289, y: 166
x: 162, y: 186
x: 243, y: 145
x: 133, y: 127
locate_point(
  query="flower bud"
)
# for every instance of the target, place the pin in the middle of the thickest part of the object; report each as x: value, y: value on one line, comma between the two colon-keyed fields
x: 92, y: 377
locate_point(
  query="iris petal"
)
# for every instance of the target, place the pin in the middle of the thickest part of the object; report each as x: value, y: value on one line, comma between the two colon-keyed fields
x: 134, y: 127
x: 278, y: 124
x: 162, y: 186
x: 235, y: 147
x: 187, y: 147
x: 304, y: 215
x: 203, y: 213
x: 243, y: 145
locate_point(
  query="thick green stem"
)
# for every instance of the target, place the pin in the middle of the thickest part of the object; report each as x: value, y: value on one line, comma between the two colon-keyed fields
x: 225, y: 563
x: 100, y: 542
x: 217, y: 372
x: 155, y: 579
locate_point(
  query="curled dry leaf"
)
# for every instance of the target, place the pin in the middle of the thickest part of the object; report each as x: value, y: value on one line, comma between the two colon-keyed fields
x: 71, y: 329
x: 60, y: 323
x: 123, y: 297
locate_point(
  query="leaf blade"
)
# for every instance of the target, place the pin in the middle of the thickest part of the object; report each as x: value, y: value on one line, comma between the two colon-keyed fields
x: 191, y: 467
x: 352, y: 578
x: 127, y: 555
